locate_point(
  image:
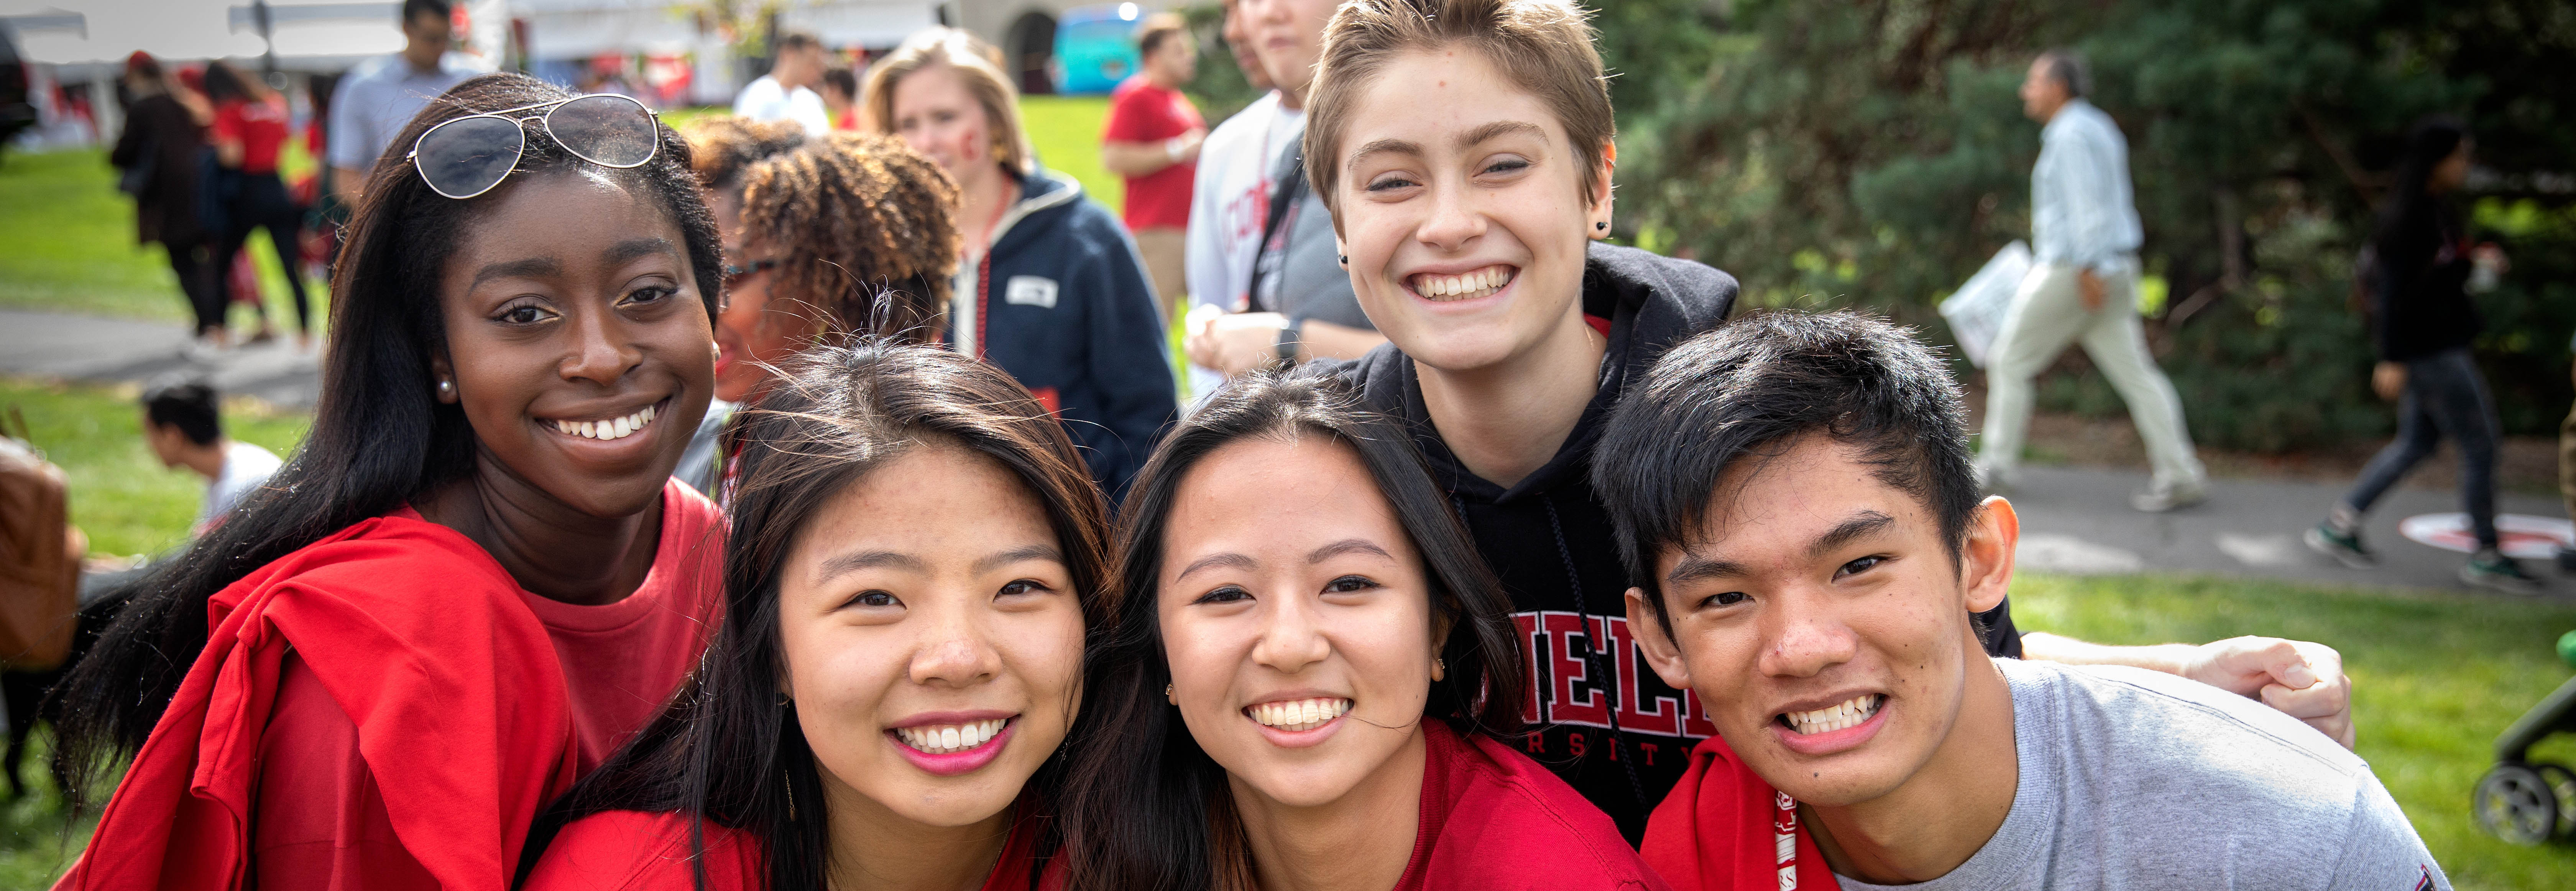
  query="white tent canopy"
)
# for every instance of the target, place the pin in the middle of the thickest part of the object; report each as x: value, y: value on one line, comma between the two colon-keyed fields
x: 566, y: 29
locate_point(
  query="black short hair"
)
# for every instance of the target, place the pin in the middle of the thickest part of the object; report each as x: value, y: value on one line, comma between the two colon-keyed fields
x: 187, y: 403
x: 793, y: 41
x: 843, y: 79
x: 412, y: 9
x: 1750, y: 388
x: 1158, y: 28
x: 2070, y: 71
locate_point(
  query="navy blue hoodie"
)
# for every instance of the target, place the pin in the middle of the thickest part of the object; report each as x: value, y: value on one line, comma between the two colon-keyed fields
x: 1550, y: 542
x: 1060, y: 302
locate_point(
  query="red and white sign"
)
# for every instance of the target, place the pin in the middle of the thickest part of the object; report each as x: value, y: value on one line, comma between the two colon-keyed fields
x: 2518, y: 535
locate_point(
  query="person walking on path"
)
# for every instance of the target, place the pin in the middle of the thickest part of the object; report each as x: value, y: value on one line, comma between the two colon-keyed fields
x: 2082, y: 287
x: 157, y: 160
x: 786, y: 93
x: 1153, y: 138
x: 250, y: 129
x: 2418, y: 281
x: 378, y: 100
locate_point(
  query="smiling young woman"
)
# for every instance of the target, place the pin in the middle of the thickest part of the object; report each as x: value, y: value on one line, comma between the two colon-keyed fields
x: 1049, y: 286
x: 475, y: 577
x: 1312, y: 682
x: 917, y: 550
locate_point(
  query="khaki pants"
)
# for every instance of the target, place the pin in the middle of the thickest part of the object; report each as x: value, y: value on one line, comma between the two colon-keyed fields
x: 2046, y: 317
x: 1163, y: 252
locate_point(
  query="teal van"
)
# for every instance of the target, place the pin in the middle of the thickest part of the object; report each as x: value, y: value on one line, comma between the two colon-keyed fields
x: 1095, y: 48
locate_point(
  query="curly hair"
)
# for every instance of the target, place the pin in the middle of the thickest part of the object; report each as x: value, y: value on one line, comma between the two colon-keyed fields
x: 722, y: 147
x: 865, y: 227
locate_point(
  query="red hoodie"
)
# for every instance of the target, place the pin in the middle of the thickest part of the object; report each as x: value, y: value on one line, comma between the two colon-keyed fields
x: 1722, y: 827
x: 444, y: 688
x: 1493, y: 820
x: 637, y: 851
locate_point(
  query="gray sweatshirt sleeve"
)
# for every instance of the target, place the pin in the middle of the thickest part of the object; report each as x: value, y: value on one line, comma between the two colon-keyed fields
x: 2381, y: 851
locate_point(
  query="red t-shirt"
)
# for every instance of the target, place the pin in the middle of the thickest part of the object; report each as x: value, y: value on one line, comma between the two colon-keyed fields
x: 1492, y: 819
x: 620, y: 661
x: 1722, y: 826
x: 1139, y: 111
x: 259, y: 126
x: 635, y: 851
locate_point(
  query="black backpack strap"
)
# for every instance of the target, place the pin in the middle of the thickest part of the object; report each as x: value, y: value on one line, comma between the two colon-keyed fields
x: 1283, y: 198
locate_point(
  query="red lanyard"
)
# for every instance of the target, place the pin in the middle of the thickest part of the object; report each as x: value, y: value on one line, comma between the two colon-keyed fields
x: 1784, y: 826
x: 984, y: 272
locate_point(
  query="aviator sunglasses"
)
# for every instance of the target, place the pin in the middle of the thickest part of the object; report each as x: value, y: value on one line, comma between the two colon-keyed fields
x: 464, y: 157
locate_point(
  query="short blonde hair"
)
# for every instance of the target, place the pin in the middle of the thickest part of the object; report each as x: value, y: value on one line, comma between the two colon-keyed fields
x: 978, y: 65
x: 1157, y: 28
x: 1543, y: 46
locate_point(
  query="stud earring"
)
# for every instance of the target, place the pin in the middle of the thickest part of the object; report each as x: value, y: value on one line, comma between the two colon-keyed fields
x: 446, y: 388
x: 1167, y: 694
x: 1346, y: 259
x: 1439, y: 668
x: 1600, y: 226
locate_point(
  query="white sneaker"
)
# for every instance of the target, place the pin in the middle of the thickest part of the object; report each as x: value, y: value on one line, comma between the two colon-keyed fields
x: 1991, y: 481
x: 2161, y: 498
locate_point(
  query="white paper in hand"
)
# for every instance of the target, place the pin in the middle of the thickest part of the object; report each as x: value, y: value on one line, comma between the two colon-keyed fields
x: 1976, y: 311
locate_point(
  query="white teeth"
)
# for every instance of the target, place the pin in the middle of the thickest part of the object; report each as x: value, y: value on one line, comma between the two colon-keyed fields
x: 1302, y: 714
x: 951, y: 738
x: 613, y: 428
x: 1474, y: 284
x: 1848, y: 713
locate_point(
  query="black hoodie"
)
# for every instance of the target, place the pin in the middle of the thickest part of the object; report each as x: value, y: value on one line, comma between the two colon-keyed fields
x: 1550, y: 542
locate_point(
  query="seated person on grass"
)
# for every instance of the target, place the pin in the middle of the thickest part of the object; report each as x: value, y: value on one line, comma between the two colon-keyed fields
x: 1795, y: 492
x: 183, y: 422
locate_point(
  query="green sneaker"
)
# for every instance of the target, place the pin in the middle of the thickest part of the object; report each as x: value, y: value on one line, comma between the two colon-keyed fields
x: 2344, y: 547
x: 2497, y: 572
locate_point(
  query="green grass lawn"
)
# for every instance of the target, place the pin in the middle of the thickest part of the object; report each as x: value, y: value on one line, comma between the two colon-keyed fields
x: 1066, y: 133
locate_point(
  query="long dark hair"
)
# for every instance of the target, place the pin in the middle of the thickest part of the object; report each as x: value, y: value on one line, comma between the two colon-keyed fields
x: 725, y: 749
x: 380, y: 438
x: 2427, y: 146
x: 1147, y: 808
x: 225, y: 83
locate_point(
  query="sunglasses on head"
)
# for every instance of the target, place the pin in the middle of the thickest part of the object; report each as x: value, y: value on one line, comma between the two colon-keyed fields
x: 464, y: 157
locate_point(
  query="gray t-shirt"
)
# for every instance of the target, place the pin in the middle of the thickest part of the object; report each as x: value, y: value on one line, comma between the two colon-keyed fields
x: 2138, y: 779
x: 1305, y: 279
x: 375, y: 102
x: 246, y: 468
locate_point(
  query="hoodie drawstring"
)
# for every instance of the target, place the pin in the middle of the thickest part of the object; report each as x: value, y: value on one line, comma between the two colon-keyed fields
x: 1592, y: 654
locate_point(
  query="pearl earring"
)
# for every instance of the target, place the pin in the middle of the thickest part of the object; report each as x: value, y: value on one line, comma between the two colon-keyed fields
x: 1600, y: 226
x: 446, y: 388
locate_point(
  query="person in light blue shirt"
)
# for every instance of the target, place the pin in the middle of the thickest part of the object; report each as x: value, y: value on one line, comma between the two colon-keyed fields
x: 2082, y: 287
x: 379, y: 97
